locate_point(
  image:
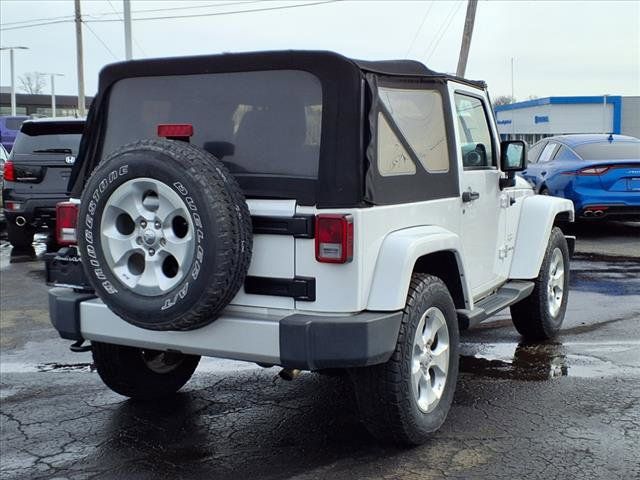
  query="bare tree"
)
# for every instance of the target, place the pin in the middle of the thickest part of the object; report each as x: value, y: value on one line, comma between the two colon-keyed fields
x: 503, y: 100
x: 32, y: 82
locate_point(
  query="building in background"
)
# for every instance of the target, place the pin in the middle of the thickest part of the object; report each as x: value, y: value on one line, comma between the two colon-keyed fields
x: 543, y: 117
x: 39, y: 105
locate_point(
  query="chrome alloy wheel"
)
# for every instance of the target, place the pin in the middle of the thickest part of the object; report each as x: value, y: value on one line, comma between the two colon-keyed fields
x: 430, y: 359
x: 161, y: 362
x: 555, y: 285
x: 147, y: 236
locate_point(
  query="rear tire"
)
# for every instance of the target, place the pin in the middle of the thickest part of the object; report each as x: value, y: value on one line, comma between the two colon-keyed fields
x: 540, y: 315
x: 20, y: 237
x: 142, y: 374
x: 406, y: 399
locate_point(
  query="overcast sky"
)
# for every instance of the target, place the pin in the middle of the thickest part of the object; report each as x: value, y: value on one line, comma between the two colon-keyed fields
x: 560, y: 47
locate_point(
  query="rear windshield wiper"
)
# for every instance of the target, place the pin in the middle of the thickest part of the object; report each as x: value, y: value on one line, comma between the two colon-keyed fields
x: 53, y: 150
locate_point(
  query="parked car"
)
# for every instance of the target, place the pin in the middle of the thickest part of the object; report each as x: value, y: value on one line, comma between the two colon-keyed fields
x: 306, y: 210
x: 36, y: 176
x: 9, y: 128
x: 599, y: 173
x: 4, y: 156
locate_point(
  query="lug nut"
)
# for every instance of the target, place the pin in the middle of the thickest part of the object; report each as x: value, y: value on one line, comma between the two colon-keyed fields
x: 152, y: 252
x: 139, y: 240
x: 158, y: 224
x: 143, y: 224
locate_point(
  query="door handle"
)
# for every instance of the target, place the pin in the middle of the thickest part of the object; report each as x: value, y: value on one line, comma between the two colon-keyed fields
x: 470, y: 196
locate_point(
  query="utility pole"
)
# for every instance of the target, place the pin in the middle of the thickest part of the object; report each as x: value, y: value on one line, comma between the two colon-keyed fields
x: 466, y: 37
x: 13, y: 76
x: 513, y: 99
x: 127, y: 29
x: 80, y: 61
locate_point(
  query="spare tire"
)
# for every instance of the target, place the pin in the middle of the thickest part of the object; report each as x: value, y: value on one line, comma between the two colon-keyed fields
x: 165, y: 234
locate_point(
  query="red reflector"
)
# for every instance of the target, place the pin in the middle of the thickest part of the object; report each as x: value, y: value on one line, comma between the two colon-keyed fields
x: 66, y: 223
x: 596, y: 207
x: 175, y: 130
x: 9, y: 172
x: 334, y: 238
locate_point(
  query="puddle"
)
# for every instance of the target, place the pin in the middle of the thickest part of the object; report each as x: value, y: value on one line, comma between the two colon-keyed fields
x: 41, y: 245
x: 539, y: 362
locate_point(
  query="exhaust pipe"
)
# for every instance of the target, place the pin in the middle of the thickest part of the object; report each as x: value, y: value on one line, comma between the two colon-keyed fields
x: 588, y: 213
x: 598, y: 213
x: 21, y: 221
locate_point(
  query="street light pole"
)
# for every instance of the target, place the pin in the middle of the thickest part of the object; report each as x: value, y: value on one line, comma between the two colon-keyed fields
x: 13, y: 76
x: 52, y: 77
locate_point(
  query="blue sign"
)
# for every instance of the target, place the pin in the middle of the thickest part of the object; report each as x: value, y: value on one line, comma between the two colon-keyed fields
x: 541, y: 119
x: 504, y: 122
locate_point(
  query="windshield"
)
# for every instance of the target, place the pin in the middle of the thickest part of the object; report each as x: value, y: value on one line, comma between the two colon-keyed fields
x: 609, y: 151
x: 263, y: 122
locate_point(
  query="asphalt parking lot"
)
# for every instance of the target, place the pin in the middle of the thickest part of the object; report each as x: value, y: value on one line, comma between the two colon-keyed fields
x: 565, y: 409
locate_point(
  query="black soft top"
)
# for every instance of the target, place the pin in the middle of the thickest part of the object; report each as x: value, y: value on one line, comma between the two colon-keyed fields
x: 346, y: 88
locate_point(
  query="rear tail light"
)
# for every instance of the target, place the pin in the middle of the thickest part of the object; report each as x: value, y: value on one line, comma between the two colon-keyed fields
x: 334, y: 238
x: 593, y: 171
x: 176, y: 131
x: 9, y: 171
x: 13, y: 206
x: 66, y: 223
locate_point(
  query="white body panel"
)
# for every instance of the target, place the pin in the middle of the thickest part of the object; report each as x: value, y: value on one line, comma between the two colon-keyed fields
x: 273, y: 255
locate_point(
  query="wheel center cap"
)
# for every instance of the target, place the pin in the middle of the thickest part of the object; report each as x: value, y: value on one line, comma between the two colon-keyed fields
x: 149, y: 237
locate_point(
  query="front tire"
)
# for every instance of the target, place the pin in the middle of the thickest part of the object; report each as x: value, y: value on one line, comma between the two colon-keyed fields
x: 142, y: 374
x: 406, y: 399
x: 540, y: 315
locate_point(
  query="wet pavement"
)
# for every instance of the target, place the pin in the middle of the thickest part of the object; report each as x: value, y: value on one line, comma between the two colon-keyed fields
x: 569, y: 408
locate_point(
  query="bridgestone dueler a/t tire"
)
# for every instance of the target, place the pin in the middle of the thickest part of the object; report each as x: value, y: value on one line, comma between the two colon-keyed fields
x: 223, y: 237
x: 125, y: 371
x: 531, y: 316
x: 385, y: 398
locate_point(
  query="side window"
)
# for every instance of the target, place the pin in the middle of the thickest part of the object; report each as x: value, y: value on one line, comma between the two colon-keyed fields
x: 393, y: 159
x: 565, y: 154
x: 534, y: 152
x: 419, y: 115
x: 475, y: 136
x: 547, y: 153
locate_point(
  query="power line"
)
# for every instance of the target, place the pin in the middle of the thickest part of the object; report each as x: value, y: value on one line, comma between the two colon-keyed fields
x: 100, y: 40
x: 115, y: 12
x: 415, y: 37
x: 134, y: 38
x: 233, y: 12
x: 444, y: 30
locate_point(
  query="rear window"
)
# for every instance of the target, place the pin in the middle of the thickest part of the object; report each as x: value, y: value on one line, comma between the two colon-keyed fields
x: 609, y: 151
x: 48, y: 138
x: 264, y: 122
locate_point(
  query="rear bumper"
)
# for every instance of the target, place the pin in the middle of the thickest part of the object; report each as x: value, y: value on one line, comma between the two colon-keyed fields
x: 38, y: 212
x: 278, y: 337
x: 620, y: 205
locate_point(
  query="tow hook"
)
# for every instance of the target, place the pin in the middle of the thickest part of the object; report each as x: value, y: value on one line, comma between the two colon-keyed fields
x: 289, y: 374
x: 79, y: 347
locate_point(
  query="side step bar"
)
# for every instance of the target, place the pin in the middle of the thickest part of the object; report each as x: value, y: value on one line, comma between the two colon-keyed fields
x: 510, y: 293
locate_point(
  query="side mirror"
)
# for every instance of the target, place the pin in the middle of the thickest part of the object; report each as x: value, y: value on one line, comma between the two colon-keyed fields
x: 513, y: 158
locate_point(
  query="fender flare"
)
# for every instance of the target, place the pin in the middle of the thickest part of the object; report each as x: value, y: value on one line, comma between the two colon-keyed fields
x: 534, y: 228
x: 396, y: 260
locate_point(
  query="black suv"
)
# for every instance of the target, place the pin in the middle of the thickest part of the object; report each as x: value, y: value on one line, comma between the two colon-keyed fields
x: 36, y: 176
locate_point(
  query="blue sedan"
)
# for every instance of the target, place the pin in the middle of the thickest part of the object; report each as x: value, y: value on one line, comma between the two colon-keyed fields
x: 599, y: 173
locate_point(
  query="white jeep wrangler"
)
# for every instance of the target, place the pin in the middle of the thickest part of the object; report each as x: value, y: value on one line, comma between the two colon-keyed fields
x: 306, y: 210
